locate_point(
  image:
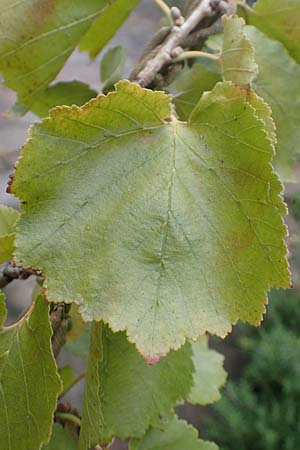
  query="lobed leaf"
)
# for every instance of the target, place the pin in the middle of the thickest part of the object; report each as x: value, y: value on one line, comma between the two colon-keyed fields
x: 176, y: 435
x: 8, y: 220
x: 176, y: 227
x: 37, y: 38
x: 29, y: 383
x: 280, y: 20
x: 106, y: 26
x: 119, y: 379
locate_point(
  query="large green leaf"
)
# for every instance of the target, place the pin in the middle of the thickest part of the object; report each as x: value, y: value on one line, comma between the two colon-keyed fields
x: 177, y: 435
x: 125, y: 393
x: 37, y: 37
x: 190, y: 85
x: 176, y: 227
x: 8, y: 220
x: 29, y: 383
x: 280, y: 20
x: 278, y: 82
x: 60, y: 439
x: 238, y: 63
x: 209, y: 375
x: 106, y: 26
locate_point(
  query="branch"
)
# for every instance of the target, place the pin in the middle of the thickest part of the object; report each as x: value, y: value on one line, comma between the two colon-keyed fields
x: 169, y: 48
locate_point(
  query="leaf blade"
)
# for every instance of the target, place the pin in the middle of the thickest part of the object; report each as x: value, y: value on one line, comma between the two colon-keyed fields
x: 128, y: 141
x: 27, y: 406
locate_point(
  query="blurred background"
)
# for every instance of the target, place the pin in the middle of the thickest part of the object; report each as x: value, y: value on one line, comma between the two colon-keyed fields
x: 260, y: 408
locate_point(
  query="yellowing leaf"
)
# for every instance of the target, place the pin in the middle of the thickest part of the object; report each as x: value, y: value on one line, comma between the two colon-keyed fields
x: 37, y: 37
x: 8, y: 220
x: 177, y: 435
x: 238, y: 63
x: 29, y: 383
x: 172, y: 224
x: 209, y: 375
x: 280, y: 20
x: 119, y: 379
x: 106, y: 26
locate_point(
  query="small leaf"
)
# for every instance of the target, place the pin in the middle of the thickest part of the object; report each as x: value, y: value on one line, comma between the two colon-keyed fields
x: 8, y: 220
x: 177, y: 435
x: 106, y: 26
x: 29, y: 381
x: 163, y: 260
x: 63, y: 93
x: 112, y: 66
x: 37, y: 40
x: 209, y: 375
x: 119, y: 379
x: 190, y: 85
x: 60, y: 439
x: 280, y: 20
x: 238, y: 63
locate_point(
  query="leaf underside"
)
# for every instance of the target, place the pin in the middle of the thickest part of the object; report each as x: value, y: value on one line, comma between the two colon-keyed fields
x: 176, y: 227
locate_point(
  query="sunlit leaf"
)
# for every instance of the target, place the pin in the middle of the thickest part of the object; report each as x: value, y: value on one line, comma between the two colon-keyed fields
x: 140, y: 202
